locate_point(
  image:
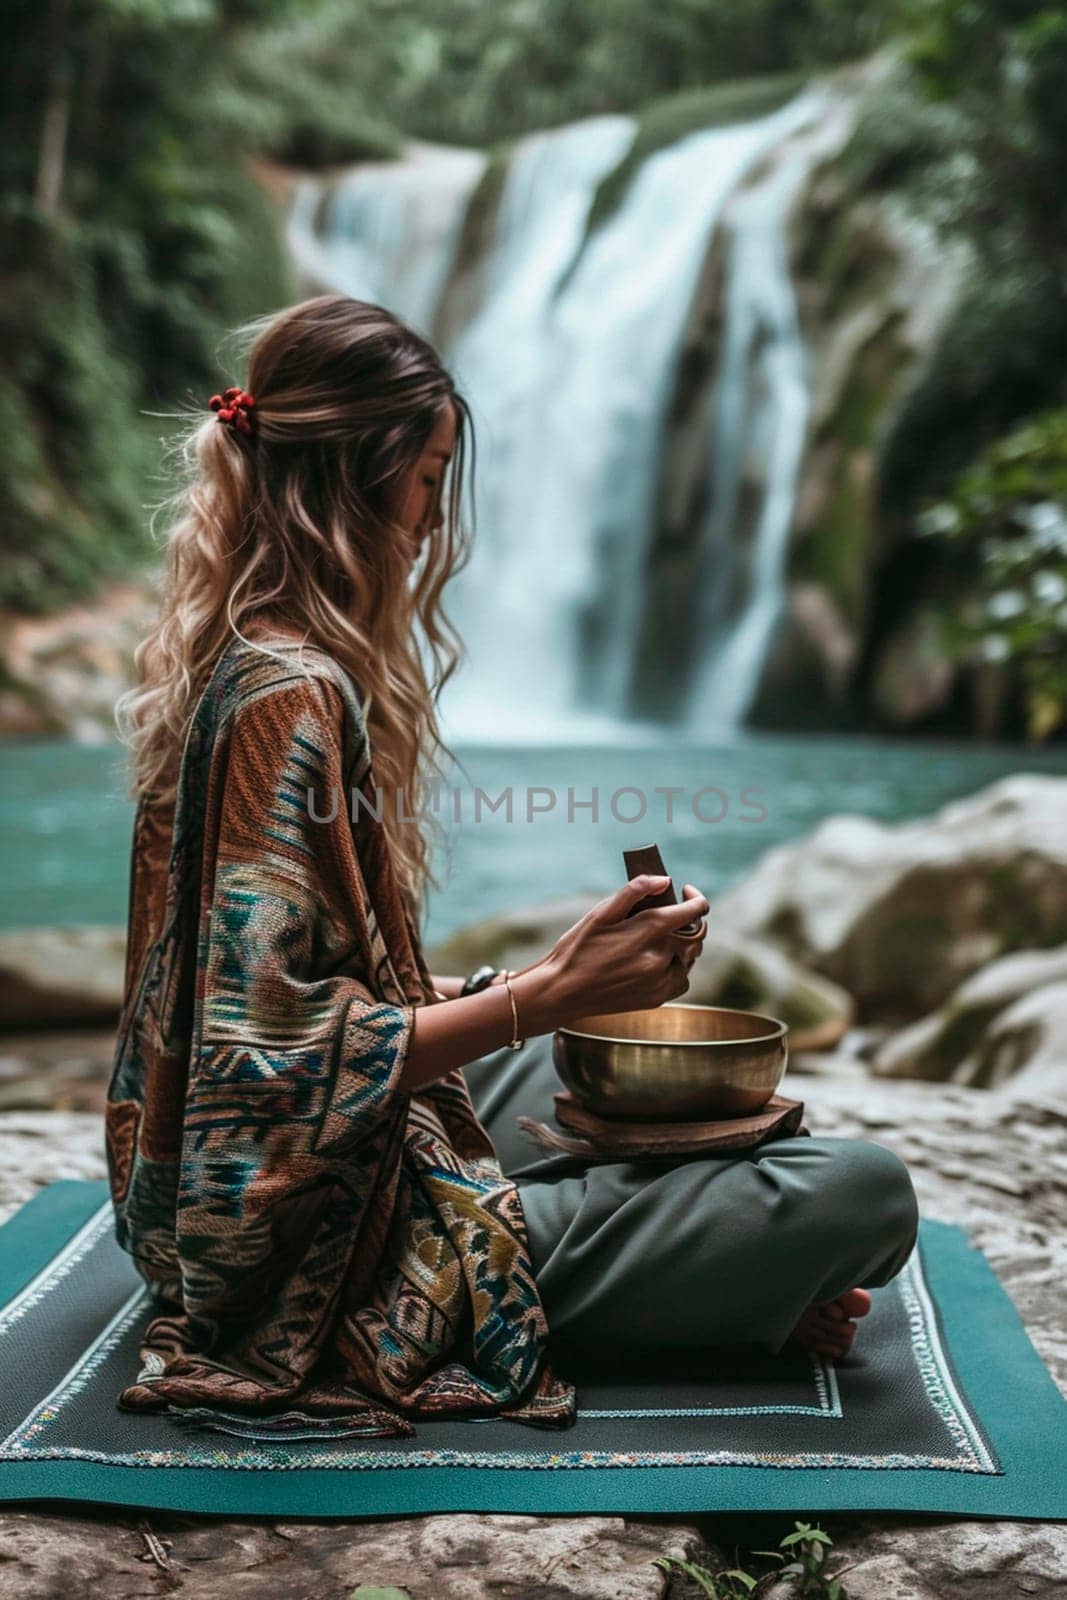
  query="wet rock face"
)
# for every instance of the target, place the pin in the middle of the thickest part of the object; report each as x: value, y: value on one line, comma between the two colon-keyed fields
x: 812, y: 654
x: 900, y: 915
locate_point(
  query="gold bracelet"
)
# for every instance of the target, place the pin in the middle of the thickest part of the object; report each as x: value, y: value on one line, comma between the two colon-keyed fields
x: 515, y: 1043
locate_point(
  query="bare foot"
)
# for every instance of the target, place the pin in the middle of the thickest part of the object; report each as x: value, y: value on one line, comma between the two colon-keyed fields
x: 829, y: 1327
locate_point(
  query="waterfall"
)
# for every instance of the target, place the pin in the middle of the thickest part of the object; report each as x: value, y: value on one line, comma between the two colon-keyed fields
x: 569, y: 362
x: 760, y: 423
x: 387, y: 230
x: 535, y: 393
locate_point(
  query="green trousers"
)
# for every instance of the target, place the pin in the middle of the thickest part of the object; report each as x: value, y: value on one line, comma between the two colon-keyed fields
x: 696, y: 1250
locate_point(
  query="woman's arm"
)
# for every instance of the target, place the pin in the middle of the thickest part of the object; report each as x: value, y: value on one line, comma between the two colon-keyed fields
x: 609, y: 961
x: 449, y: 988
x: 451, y: 1035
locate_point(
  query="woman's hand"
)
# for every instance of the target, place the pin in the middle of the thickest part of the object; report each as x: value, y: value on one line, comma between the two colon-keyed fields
x: 609, y: 961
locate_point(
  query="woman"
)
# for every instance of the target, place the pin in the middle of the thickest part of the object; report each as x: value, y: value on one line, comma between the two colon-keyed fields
x: 336, y: 1234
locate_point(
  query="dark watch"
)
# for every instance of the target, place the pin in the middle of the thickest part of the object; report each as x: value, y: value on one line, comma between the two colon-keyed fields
x: 479, y: 980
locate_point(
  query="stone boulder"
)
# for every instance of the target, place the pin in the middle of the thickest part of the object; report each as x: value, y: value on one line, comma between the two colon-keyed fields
x: 63, y: 672
x: 1026, y: 1044
x: 451, y: 1557
x: 752, y: 975
x: 61, y: 977
x: 749, y: 974
x: 949, y: 1043
x: 900, y: 914
x: 56, y: 1069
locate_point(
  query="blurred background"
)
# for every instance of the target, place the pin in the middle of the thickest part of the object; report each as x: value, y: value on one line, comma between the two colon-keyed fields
x: 761, y: 311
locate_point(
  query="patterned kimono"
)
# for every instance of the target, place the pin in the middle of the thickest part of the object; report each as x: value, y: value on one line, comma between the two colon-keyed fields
x: 328, y: 1249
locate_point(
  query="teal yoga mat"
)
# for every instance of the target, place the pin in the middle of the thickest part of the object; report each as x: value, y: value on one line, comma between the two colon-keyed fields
x: 943, y: 1407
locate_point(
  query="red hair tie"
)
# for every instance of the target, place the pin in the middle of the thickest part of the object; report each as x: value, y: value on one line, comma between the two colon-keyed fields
x: 235, y: 407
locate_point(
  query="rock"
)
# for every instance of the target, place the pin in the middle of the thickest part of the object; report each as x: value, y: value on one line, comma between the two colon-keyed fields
x: 914, y: 1051
x: 730, y: 971
x: 937, y: 1046
x: 752, y: 975
x: 942, y: 1559
x: 46, y: 1071
x: 900, y: 914
x: 1026, y: 1044
x: 990, y: 1161
x: 61, y: 977
x: 63, y: 672
x: 809, y: 661
x: 39, y: 1147
x: 458, y: 1557
x: 876, y: 285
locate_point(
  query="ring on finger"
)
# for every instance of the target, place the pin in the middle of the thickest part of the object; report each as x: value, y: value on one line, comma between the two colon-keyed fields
x: 692, y: 938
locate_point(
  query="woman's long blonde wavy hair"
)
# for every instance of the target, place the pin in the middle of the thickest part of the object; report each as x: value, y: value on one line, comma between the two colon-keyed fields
x: 293, y: 521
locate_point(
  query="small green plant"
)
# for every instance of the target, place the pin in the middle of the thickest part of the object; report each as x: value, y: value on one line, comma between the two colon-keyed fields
x: 726, y: 1584
x: 802, y: 1555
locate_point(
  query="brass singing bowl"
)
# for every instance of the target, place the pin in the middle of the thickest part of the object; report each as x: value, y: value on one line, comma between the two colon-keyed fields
x: 675, y: 1063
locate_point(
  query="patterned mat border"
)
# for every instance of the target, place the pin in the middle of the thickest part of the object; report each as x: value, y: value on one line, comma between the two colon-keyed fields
x: 60, y: 1266
x: 931, y: 1358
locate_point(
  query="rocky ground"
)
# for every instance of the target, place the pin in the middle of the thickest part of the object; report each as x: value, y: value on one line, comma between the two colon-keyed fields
x: 993, y: 1163
x: 922, y: 970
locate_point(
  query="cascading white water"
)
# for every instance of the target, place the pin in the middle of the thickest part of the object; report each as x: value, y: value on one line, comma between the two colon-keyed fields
x: 569, y: 367
x: 388, y: 229
x: 532, y: 391
x: 759, y: 430
x: 572, y: 388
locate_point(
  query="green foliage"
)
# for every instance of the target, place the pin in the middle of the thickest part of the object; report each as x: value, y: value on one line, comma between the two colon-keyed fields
x: 969, y: 133
x: 136, y: 233
x: 133, y: 238
x: 806, y: 1550
x: 801, y: 1554
x: 1004, y: 527
x: 723, y: 1585
x: 470, y: 73
x: 297, y: 90
x: 904, y: 141
x: 72, y: 455
x: 1002, y: 64
x: 972, y: 130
